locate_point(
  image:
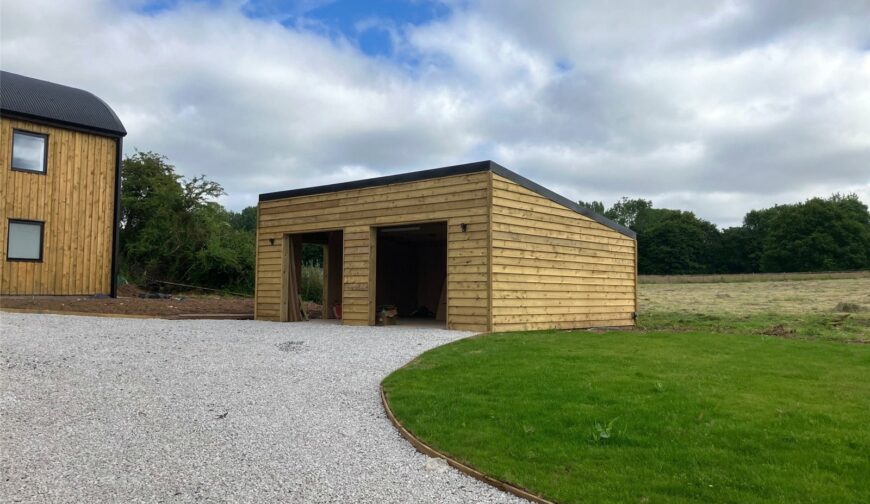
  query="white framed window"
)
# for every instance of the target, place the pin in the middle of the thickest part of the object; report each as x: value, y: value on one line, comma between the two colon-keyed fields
x: 29, y: 151
x: 24, y: 240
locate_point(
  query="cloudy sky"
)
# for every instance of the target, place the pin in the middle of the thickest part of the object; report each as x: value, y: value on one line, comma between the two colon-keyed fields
x: 712, y: 106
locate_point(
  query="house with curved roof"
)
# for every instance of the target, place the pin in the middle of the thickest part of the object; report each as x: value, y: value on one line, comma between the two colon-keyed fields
x: 60, y: 166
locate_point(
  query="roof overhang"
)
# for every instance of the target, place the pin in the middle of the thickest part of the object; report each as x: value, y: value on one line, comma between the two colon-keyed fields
x: 60, y: 124
x: 449, y: 171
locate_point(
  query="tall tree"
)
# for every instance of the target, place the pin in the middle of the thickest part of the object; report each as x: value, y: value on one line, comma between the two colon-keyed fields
x: 756, y: 227
x: 595, y: 206
x: 173, y: 230
x: 673, y: 242
x: 627, y: 211
x: 818, y: 235
x: 246, y: 220
x: 735, y: 251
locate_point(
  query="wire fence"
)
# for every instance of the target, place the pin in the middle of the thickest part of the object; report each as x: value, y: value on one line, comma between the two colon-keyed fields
x: 199, y: 287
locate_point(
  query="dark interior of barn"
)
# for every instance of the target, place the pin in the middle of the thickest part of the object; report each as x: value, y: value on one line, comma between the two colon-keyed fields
x: 412, y: 273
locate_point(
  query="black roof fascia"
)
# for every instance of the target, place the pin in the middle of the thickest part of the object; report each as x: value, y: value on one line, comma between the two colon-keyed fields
x: 60, y: 124
x: 448, y: 171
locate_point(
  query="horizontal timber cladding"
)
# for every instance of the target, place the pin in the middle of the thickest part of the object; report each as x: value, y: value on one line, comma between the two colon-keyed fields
x: 75, y: 200
x: 553, y: 268
x: 457, y: 199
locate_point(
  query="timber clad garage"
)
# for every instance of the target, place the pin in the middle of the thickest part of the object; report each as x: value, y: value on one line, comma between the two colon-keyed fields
x: 60, y: 158
x: 476, y: 245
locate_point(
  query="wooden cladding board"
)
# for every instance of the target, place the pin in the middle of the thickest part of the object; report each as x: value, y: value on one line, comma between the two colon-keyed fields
x: 553, y: 268
x: 75, y: 199
x: 456, y: 199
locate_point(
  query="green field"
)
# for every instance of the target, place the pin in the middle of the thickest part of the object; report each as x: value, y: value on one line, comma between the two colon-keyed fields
x: 744, y: 403
x: 753, y: 277
x: 809, y: 309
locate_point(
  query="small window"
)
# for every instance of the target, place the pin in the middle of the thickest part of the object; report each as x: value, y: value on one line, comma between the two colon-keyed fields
x: 29, y: 151
x: 24, y: 242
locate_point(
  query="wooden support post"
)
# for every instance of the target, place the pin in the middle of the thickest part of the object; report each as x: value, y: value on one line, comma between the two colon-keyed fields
x: 325, y: 295
x: 373, y: 275
x: 297, y: 258
x: 286, y: 252
x: 441, y: 310
x: 291, y: 303
x: 332, y: 262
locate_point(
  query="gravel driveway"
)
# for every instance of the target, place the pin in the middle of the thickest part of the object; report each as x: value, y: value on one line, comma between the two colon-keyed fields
x: 132, y: 410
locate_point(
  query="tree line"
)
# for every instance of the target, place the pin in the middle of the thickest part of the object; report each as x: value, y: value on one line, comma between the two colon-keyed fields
x: 173, y: 229
x: 819, y: 234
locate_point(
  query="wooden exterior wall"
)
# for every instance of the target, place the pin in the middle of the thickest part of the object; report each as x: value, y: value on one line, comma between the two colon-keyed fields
x: 358, y: 212
x: 75, y: 199
x: 555, y: 268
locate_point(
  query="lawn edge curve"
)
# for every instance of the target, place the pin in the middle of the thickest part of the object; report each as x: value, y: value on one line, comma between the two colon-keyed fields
x: 430, y: 451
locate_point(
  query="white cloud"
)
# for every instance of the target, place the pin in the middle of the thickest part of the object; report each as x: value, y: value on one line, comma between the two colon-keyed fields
x: 717, y: 106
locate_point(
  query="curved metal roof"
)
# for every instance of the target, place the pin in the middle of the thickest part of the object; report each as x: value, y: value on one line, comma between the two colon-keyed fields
x: 44, y: 101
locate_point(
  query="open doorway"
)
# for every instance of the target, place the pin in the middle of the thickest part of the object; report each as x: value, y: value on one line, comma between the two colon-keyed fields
x: 312, y: 276
x: 411, y: 274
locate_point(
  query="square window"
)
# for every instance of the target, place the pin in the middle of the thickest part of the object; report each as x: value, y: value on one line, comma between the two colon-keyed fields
x: 29, y: 151
x: 24, y: 242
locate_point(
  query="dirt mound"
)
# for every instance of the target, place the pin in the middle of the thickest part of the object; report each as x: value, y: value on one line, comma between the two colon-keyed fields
x: 779, y: 331
x: 129, y: 290
x: 849, y: 308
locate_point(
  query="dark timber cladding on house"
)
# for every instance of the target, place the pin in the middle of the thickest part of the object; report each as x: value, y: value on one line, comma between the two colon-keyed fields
x: 60, y: 157
x: 474, y: 246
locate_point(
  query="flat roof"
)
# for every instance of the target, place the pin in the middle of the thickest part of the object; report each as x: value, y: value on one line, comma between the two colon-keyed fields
x: 449, y: 171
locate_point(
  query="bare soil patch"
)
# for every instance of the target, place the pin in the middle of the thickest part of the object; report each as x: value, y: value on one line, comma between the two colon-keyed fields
x: 129, y: 303
x: 779, y: 331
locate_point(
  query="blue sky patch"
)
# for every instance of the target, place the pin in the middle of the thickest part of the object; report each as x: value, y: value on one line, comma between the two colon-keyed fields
x: 368, y: 24
x: 158, y: 6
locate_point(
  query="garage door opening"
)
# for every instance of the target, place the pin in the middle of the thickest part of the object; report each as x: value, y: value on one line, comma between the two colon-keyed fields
x: 312, y: 274
x: 411, y: 275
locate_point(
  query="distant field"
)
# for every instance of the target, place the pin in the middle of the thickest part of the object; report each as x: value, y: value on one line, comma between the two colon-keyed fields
x: 743, y: 298
x: 752, y: 277
x: 810, y: 309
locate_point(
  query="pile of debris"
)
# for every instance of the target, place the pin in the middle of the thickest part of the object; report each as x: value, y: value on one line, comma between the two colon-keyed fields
x: 387, y: 315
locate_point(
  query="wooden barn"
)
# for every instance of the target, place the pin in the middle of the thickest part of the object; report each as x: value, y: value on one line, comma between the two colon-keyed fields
x: 474, y: 246
x: 60, y: 158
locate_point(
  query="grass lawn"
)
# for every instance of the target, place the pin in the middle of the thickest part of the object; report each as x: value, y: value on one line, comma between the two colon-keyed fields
x: 697, y: 408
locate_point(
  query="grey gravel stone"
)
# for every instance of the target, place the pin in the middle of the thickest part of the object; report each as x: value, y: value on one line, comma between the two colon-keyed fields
x: 135, y: 410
